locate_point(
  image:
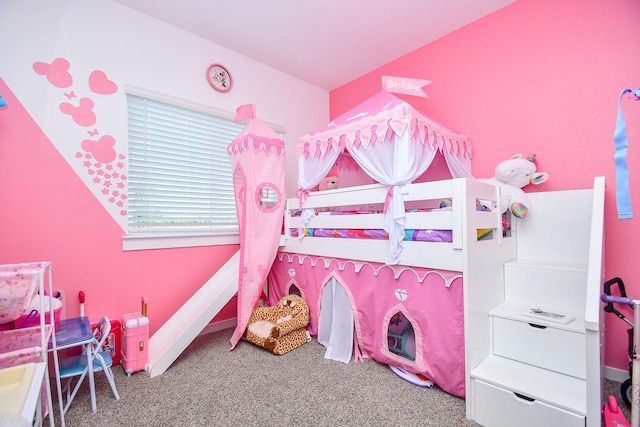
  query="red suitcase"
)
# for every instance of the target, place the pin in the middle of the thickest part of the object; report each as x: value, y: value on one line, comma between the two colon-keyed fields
x: 135, y: 342
x: 112, y: 344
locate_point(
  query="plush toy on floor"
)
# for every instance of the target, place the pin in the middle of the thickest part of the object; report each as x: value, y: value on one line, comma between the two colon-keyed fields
x: 280, y: 328
x: 511, y: 176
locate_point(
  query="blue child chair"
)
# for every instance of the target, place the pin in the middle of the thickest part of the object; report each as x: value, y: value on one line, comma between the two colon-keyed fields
x: 77, y: 366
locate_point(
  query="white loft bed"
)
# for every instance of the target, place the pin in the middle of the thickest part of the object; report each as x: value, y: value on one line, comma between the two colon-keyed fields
x: 462, y: 219
x: 418, y: 164
x: 479, y: 262
x: 552, y: 259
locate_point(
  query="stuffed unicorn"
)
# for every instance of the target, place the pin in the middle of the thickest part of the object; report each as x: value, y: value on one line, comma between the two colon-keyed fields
x: 511, y: 176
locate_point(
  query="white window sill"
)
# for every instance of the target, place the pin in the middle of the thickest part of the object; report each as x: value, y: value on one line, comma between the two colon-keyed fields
x: 164, y: 241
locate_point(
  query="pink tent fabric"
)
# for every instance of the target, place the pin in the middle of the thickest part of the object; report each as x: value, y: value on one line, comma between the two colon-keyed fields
x: 393, y: 143
x: 257, y: 157
x: 373, y: 120
x: 432, y: 300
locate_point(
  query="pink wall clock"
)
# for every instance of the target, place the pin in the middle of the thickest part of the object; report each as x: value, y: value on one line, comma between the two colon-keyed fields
x: 219, y: 78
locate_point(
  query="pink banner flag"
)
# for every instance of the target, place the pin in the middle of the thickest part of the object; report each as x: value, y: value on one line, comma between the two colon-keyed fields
x: 245, y: 112
x: 405, y: 85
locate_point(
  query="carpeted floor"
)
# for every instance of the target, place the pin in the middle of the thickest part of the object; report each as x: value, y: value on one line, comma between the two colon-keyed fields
x: 208, y: 385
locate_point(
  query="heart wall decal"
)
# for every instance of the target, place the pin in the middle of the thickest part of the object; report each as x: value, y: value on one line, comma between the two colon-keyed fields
x: 100, y: 84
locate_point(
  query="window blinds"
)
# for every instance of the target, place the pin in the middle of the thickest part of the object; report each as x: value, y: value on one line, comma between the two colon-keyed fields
x: 180, y: 177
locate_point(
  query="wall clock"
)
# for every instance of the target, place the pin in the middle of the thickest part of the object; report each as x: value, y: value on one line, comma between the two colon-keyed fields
x: 219, y: 77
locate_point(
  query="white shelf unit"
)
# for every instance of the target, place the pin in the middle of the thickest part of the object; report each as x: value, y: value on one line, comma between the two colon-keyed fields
x: 42, y: 274
x: 544, y: 372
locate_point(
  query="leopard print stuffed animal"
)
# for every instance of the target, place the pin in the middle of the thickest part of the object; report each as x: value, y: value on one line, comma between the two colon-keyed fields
x: 280, y: 328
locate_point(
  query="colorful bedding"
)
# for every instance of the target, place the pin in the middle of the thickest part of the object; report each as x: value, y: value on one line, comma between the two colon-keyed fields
x: 409, y: 235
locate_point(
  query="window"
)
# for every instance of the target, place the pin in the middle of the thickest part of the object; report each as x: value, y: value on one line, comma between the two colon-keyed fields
x: 180, y: 178
x: 268, y: 197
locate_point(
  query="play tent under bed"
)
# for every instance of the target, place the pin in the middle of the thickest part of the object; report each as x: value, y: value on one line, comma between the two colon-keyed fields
x: 391, y: 290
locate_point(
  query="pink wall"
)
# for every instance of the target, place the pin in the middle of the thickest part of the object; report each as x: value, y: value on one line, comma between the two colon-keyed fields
x: 538, y: 76
x: 543, y: 77
x: 48, y: 214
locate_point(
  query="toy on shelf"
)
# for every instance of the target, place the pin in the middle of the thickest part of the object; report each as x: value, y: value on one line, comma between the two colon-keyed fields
x: 32, y: 318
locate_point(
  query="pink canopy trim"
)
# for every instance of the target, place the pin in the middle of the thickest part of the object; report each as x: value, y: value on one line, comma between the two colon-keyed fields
x: 257, y: 136
x: 255, y: 144
x: 373, y: 121
x: 376, y: 268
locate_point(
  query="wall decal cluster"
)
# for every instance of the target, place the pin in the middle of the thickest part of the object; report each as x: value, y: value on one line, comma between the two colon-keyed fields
x: 97, y: 153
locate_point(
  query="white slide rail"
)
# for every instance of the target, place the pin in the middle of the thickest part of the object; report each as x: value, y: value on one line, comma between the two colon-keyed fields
x: 186, y: 324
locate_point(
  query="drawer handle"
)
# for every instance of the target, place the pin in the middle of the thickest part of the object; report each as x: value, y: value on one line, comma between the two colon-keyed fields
x: 534, y: 325
x: 523, y: 397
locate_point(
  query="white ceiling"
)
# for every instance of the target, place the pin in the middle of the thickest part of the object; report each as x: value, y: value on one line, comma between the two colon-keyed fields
x: 325, y: 42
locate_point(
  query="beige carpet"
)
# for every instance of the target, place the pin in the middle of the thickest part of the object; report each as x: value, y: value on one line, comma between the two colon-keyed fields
x: 210, y: 386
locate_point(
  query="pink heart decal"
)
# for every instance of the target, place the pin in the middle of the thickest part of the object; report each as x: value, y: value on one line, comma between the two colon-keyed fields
x: 100, y: 84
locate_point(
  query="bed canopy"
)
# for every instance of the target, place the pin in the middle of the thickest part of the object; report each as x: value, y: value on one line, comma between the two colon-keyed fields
x: 392, y: 143
x: 257, y: 159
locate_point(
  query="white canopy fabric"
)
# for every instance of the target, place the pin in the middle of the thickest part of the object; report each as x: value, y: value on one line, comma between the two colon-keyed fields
x: 393, y: 143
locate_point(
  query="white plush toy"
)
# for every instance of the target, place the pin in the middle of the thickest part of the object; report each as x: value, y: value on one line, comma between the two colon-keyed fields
x: 511, y: 175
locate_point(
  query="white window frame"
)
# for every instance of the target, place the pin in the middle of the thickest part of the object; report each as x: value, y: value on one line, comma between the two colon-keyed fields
x: 157, y: 239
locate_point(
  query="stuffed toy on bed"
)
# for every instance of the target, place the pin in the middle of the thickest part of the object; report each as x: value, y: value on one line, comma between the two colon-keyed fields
x: 511, y: 176
x: 329, y: 182
x: 280, y: 328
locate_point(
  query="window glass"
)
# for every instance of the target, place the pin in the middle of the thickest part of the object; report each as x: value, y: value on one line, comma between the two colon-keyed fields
x: 267, y: 197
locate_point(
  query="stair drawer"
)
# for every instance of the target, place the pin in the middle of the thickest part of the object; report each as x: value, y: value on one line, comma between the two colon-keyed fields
x: 550, y: 348
x: 497, y: 407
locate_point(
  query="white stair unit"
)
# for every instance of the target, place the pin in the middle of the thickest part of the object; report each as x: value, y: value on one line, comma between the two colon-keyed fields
x: 538, y: 372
